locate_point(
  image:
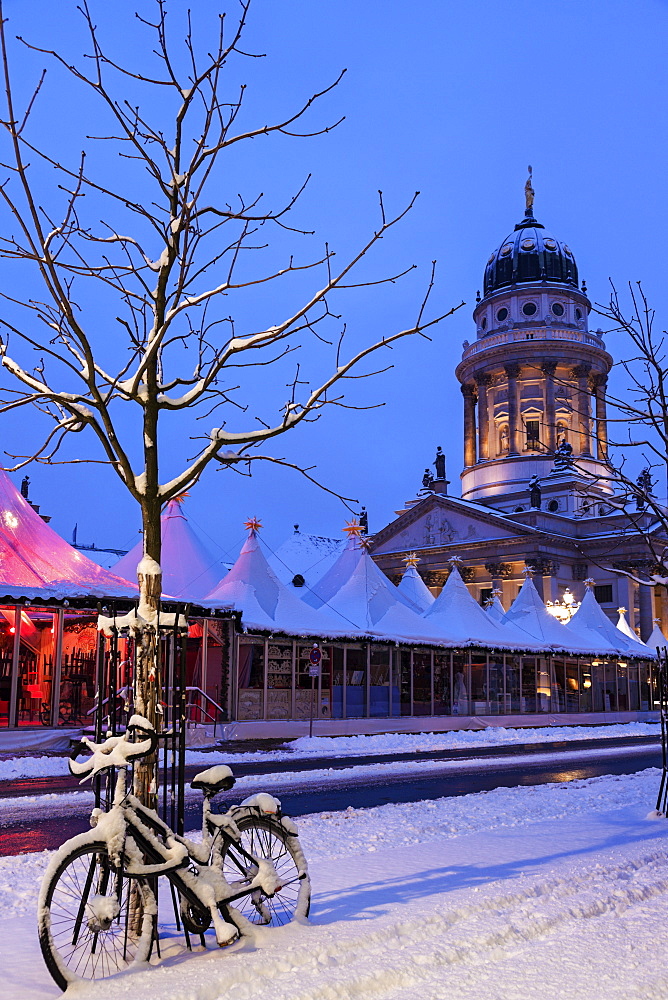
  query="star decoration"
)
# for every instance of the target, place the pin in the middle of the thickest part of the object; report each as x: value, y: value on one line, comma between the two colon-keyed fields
x: 182, y: 497
x: 364, y: 542
x: 353, y: 528
x: 252, y: 524
x: 412, y: 559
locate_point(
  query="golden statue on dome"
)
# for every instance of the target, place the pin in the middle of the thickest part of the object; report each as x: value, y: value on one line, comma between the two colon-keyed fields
x: 529, y: 193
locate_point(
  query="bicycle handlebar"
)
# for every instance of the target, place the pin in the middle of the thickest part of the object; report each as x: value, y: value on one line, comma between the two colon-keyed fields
x: 117, y: 751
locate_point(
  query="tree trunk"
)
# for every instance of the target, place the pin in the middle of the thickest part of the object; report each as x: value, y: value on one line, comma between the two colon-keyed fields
x: 147, y: 686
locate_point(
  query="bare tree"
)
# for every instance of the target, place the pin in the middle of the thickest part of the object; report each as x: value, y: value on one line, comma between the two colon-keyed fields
x: 166, y: 261
x: 638, y: 429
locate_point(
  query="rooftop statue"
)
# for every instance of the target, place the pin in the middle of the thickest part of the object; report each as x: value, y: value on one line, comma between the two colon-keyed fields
x: 529, y: 193
x: 563, y: 456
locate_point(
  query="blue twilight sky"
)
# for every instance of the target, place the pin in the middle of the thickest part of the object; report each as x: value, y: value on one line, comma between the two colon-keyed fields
x: 452, y: 99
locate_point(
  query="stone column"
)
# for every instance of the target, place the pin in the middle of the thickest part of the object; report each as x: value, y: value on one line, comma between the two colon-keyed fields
x: 512, y: 372
x: 550, y: 415
x: 468, y: 393
x: 581, y: 373
x: 646, y: 610
x: 483, y: 380
x: 599, y: 387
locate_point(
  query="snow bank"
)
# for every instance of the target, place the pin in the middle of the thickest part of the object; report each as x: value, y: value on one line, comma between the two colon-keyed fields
x: 464, y: 739
x: 386, y: 743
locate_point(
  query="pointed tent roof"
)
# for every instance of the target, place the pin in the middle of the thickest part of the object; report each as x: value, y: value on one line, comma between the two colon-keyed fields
x: 190, y: 570
x: 309, y: 555
x: 415, y: 589
x: 252, y: 588
x: 623, y: 626
x: 360, y: 592
x: 591, y: 624
x: 37, y: 564
x: 657, y: 639
x: 496, y: 609
x: 456, y: 613
x: 528, y: 613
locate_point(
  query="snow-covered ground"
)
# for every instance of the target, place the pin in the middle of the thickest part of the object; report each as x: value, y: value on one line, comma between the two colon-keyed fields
x: 19, y: 808
x: 385, y: 743
x: 551, y: 892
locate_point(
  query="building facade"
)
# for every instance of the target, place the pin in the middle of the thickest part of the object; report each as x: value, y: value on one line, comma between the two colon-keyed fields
x: 536, y: 486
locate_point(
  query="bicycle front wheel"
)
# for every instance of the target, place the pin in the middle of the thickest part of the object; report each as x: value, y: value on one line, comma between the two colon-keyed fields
x: 267, y: 839
x: 94, y: 921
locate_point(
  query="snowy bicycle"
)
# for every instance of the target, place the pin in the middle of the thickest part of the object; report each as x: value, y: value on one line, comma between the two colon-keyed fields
x: 97, y: 910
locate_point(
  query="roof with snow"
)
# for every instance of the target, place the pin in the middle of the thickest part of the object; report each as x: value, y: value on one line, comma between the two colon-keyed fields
x: 657, y: 639
x: 415, y: 589
x: 37, y: 564
x: 623, y: 626
x: 252, y: 588
x: 591, y: 625
x: 190, y: 569
x: 496, y: 609
x: 456, y: 613
x: 529, y: 614
x: 360, y: 592
x: 306, y: 555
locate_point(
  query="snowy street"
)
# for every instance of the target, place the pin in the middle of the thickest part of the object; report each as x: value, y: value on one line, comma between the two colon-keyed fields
x: 545, y: 892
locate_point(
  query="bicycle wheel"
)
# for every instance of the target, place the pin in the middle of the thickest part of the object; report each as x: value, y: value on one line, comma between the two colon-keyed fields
x: 266, y: 839
x: 94, y: 921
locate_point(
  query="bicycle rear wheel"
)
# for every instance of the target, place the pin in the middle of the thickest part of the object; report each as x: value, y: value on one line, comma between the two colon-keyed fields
x: 94, y: 921
x: 265, y: 838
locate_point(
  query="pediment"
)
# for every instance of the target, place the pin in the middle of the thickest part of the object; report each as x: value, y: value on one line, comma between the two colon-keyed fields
x: 442, y: 521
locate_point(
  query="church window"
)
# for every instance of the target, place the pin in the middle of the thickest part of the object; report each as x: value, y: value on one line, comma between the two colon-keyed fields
x: 506, y: 249
x: 553, y: 506
x: 533, y: 433
x: 557, y: 309
x: 528, y: 244
x: 502, y: 314
x: 529, y: 308
x: 578, y: 313
x: 519, y: 510
x: 483, y: 325
x: 603, y: 593
x: 568, y: 251
x: 550, y: 244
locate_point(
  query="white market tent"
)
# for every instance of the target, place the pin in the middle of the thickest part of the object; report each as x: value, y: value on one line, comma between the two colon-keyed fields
x: 252, y: 588
x: 415, y: 589
x: 590, y: 624
x: 306, y: 555
x: 496, y: 609
x: 623, y: 626
x: 190, y: 570
x: 529, y: 614
x: 457, y: 614
x: 657, y: 639
x: 358, y: 590
x: 37, y: 564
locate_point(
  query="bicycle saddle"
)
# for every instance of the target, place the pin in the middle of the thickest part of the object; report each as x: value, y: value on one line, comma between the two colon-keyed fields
x: 218, y: 778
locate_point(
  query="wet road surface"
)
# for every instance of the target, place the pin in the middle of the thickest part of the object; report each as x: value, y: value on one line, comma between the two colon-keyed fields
x: 337, y: 792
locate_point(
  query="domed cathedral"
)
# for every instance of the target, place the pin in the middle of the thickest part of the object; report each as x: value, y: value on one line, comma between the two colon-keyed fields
x: 534, y: 380
x: 536, y: 488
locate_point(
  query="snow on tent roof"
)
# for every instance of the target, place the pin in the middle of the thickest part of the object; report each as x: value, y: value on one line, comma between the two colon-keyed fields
x: 37, y: 564
x: 361, y: 593
x: 496, y: 609
x: 591, y: 624
x: 252, y: 588
x: 657, y: 639
x: 456, y: 613
x: 415, y: 589
x: 625, y: 628
x: 528, y: 613
x: 305, y: 554
x: 189, y: 570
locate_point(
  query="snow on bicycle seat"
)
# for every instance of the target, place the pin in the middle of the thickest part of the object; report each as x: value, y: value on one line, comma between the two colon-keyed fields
x: 218, y: 778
